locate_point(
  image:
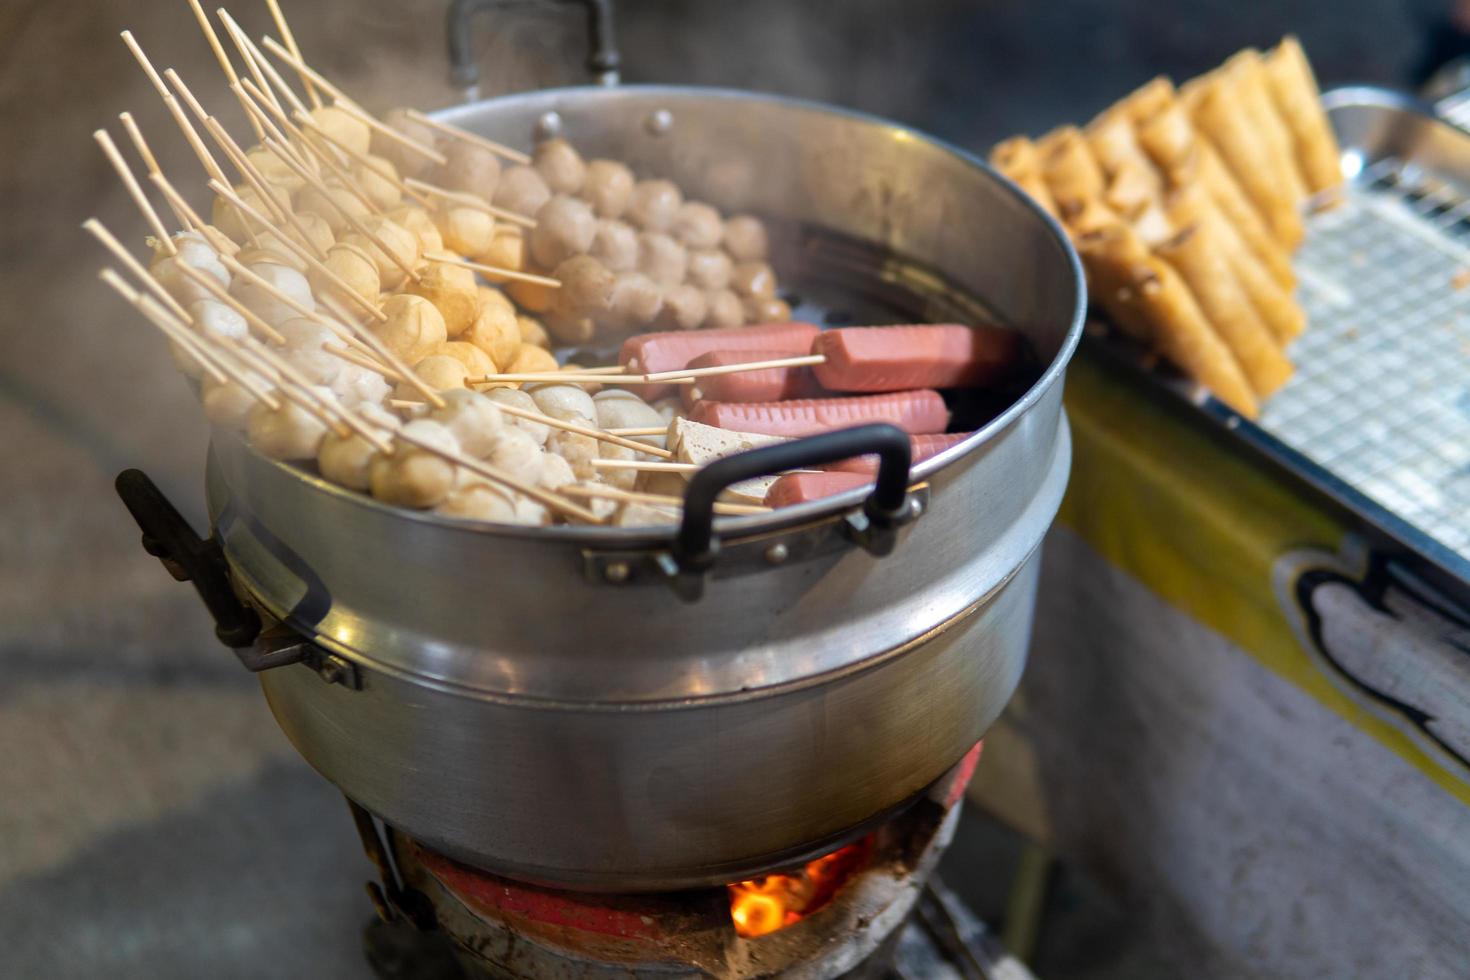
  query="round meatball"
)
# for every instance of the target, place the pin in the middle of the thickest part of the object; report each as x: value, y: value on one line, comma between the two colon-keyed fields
x: 439, y: 371
x: 577, y: 449
x: 551, y: 398
x: 745, y: 238
x: 470, y: 167
x: 265, y: 303
x: 452, y: 290
x: 179, y: 284
x: 354, y: 268
x: 654, y: 204
x: 516, y: 454
x: 227, y: 404
x: 538, y: 431
x: 522, y: 190
x: 555, y: 472
x: 507, y: 251
x: 565, y: 226
x: 414, y: 327
x: 344, y: 127
x: 636, y: 300
x: 608, y: 187
x: 479, y: 502
x: 415, y: 477
x: 560, y: 165
x: 532, y: 332
x: 754, y: 279
x: 710, y: 268
x: 532, y: 296
x: 495, y: 332
x: 333, y: 203
x: 661, y: 258
x: 214, y: 319
x: 418, y: 221
x: 402, y: 249
x: 685, y: 307
x: 474, y: 419
x: 619, y: 408
x: 698, y: 225
x: 286, y: 433
x: 410, y: 163
x: 615, y: 245
x: 274, y: 170
x: 476, y: 362
x: 347, y: 461
x: 532, y: 360
x: 466, y: 230
x: 725, y: 309
x: 766, y: 309
x: 586, y: 287
x: 624, y: 478
x: 378, y: 179
x: 359, y: 387
x: 571, y: 329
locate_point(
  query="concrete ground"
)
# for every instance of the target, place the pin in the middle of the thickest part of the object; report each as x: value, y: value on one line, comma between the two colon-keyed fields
x: 153, y: 821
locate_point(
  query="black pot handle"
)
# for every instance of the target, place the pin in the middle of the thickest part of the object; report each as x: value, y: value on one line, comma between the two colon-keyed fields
x: 886, y: 509
x: 189, y: 558
x: 464, y: 68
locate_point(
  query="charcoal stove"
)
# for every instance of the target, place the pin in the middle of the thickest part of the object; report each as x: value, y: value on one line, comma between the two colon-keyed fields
x: 870, y: 909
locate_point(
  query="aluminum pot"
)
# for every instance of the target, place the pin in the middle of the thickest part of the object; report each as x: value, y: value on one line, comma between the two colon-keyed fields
x: 540, y: 701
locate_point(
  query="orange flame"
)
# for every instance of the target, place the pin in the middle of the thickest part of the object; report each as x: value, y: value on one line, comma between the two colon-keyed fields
x: 763, y: 905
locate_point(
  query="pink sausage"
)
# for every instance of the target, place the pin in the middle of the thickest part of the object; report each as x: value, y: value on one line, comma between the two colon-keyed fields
x: 766, y: 385
x: 672, y: 350
x: 915, y: 412
x: 798, y: 488
x: 944, y: 355
x: 921, y: 448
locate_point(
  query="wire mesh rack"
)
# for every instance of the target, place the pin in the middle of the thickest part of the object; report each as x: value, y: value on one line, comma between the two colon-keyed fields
x: 1381, y: 397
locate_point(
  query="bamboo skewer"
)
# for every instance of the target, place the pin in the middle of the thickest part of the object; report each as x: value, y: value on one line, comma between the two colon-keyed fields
x: 285, y: 28
x: 231, y: 198
x: 263, y: 188
x: 465, y: 136
x: 150, y: 163
x: 135, y: 190
x: 217, y: 238
x: 255, y: 103
x: 804, y: 360
x: 656, y: 499
x: 99, y: 231
x: 255, y: 61
x: 647, y: 430
x: 166, y: 322
x: 299, y: 389
x: 645, y: 466
x: 601, y: 435
x: 495, y: 270
x: 212, y: 37
x: 571, y: 377
x: 469, y: 201
x: 348, y: 105
x: 206, y: 159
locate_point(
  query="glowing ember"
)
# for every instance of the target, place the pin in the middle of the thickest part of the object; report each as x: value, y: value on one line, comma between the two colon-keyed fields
x: 763, y: 905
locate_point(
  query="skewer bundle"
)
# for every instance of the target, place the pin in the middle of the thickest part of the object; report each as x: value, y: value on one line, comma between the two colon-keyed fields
x: 1185, y: 206
x: 329, y: 305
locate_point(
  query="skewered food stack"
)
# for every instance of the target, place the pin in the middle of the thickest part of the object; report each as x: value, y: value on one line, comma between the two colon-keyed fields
x: 372, y: 298
x: 1185, y: 206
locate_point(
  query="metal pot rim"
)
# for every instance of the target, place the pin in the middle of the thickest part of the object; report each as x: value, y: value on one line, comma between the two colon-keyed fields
x: 816, y: 511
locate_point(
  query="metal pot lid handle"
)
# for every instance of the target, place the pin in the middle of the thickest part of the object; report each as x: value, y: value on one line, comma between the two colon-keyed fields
x: 875, y: 527
x: 464, y: 69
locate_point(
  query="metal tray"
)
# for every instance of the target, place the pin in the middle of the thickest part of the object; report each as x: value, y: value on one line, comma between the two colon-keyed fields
x: 1378, y: 413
